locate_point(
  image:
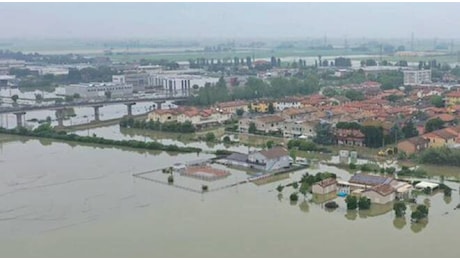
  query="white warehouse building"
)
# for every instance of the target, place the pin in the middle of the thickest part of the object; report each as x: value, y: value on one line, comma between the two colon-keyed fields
x: 91, y: 90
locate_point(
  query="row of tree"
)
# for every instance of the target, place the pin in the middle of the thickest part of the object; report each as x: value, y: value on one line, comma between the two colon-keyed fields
x: 46, y: 131
x: 175, y: 127
x: 256, y: 89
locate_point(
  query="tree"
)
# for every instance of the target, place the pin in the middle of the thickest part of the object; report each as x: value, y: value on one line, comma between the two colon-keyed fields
x: 270, y: 144
x: 15, y: 98
x: 38, y: 97
x: 354, y: 95
x: 421, y: 212
x: 108, y: 94
x: 409, y: 130
x: 373, y: 136
x: 434, y: 124
x: 370, y: 62
x: 437, y: 101
x: 364, y: 203
x: 226, y: 139
x: 400, y: 209
x: 239, y: 112
x: 271, y: 108
x: 352, y: 202
x: 329, y: 92
x: 279, y: 188
x: 342, y: 62
x: 210, y: 137
x: 324, y: 134
x: 295, y: 185
x: 294, y: 197
x: 252, y: 128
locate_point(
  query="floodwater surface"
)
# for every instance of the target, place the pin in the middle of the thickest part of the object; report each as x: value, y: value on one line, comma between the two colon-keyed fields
x: 60, y: 199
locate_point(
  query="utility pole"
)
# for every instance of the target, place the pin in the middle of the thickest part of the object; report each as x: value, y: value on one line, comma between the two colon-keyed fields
x: 412, y: 42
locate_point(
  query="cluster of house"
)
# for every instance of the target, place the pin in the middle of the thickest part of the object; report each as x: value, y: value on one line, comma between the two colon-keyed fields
x: 378, y: 189
x: 449, y: 137
x: 198, y: 117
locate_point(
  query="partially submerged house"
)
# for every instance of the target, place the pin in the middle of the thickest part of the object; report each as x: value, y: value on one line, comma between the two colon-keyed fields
x: 325, y: 186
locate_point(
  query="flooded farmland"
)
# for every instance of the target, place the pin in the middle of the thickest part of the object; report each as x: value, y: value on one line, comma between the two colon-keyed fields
x: 60, y: 199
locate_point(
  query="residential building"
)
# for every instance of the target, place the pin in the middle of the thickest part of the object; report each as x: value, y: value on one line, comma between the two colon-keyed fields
x: 416, y: 77
x: 380, y: 194
x: 285, y: 103
x: 298, y: 128
x: 325, y: 186
x: 260, y: 107
x: 413, y: 145
x: 271, y: 123
x: 440, y: 138
x: 369, y: 180
x: 453, y: 98
x: 351, y: 137
x: 198, y: 117
x: 163, y: 115
x: 271, y: 160
x: 94, y: 90
x: 233, y: 106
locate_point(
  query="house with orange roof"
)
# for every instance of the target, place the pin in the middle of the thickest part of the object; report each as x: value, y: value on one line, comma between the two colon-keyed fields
x: 233, y: 106
x: 440, y: 138
x: 453, y: 98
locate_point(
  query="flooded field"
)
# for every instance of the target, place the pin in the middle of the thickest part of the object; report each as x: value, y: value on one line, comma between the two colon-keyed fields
x: 65, y: 200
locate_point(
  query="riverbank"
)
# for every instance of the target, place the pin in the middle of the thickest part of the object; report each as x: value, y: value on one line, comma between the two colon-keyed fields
x: 45, y: 132
x: 96, y: 124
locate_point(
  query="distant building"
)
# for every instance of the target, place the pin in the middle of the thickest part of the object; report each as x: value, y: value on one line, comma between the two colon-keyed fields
x: 92, y: 90
x: 7, y: 81
x: 413, y: 145
x: 138, y: 80
x: 416, y: 77
x: 180, y: 83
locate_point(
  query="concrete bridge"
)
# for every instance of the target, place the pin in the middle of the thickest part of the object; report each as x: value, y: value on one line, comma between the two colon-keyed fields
x: 60, y: 108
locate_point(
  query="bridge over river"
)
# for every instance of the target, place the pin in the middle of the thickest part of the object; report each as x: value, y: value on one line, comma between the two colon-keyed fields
x: 20, y: 111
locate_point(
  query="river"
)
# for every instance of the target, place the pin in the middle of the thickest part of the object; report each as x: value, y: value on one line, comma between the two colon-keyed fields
x: 59, y: 199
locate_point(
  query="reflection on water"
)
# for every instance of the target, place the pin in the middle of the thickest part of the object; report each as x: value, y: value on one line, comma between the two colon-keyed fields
x: 399, y: 223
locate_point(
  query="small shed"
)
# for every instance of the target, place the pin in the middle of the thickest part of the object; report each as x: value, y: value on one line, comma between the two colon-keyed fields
x: 424, y: 184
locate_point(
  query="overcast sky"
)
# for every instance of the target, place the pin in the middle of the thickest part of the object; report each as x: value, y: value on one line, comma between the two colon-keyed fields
x: 229, y: 20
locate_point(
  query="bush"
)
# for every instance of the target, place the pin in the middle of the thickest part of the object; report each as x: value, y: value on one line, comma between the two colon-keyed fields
x: 364, y: 203
x: 210, y: 137
x: 294, y: 197
x: 399, y: 208
x: 352, y: 166
x: 352, y: 202
x: 295, y: 185
x: 279, y: 188
x: 331, y: 205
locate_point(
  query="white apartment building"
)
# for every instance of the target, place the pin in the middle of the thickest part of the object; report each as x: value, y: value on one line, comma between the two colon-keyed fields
x: 416, y: 77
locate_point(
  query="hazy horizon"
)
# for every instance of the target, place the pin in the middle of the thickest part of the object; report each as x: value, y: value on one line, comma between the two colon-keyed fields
x: 228, y: 20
